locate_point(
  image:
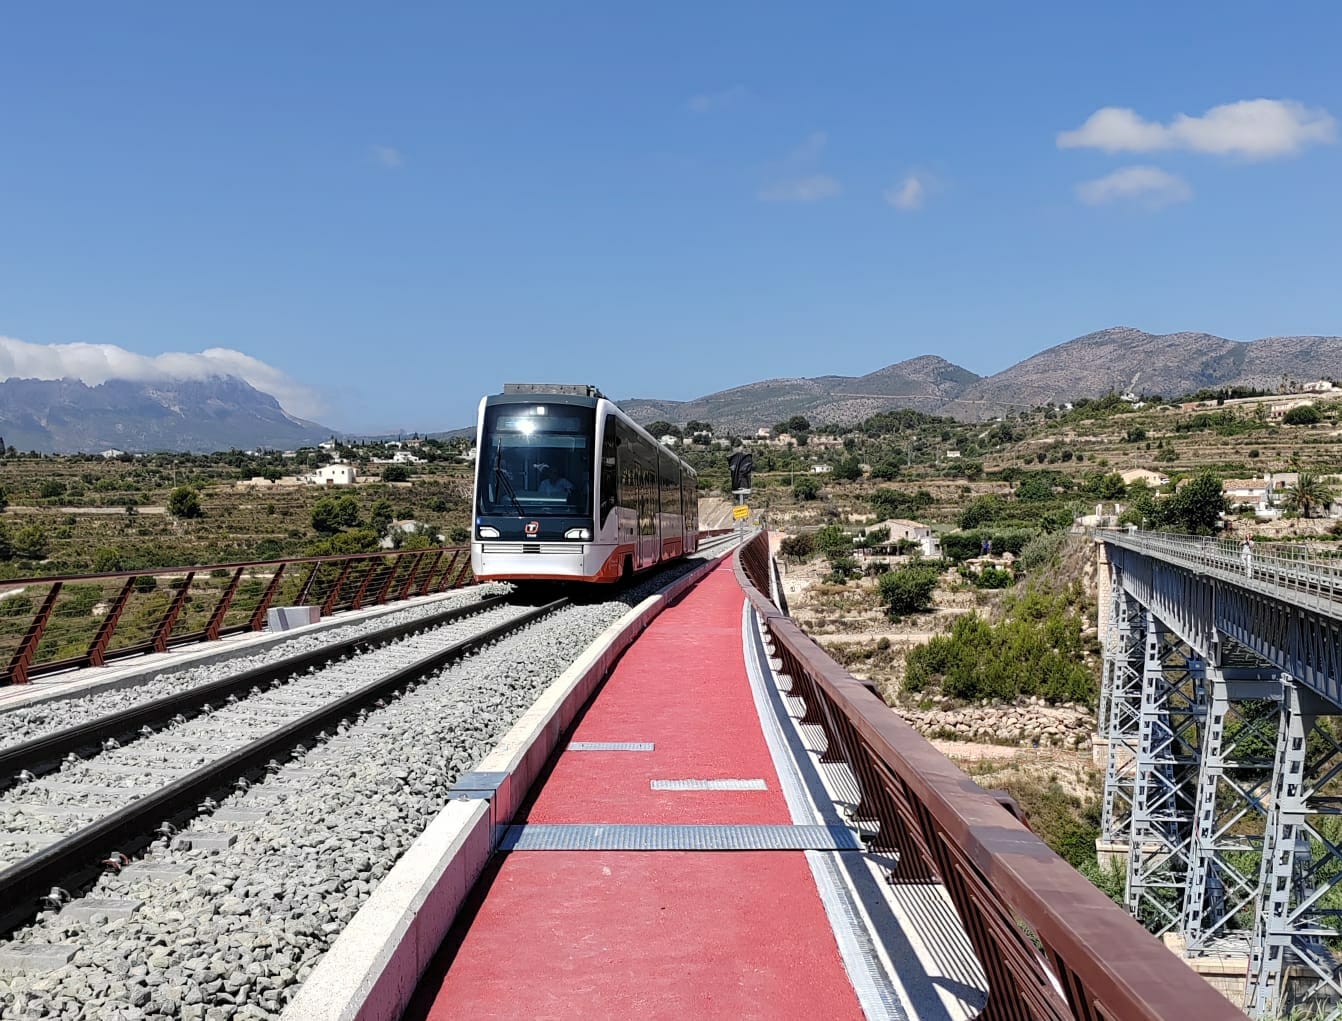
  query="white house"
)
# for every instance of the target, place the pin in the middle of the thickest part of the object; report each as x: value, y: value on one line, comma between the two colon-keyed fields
x: 1154, y: 479
x: 1322, y: 386
x: 667, y: 441
x: 335, y: 474
x: 405, y: 457
x: 908, y: 531
x: 1246, y: 492
x: 326, y: 445
x: 110, y: 454
x: 821, y: 469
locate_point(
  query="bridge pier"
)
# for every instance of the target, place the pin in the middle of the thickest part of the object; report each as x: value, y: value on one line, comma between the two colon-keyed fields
x: 1224, y: 774
x: 1230, y: 812
x: 1290, y: 963
x: 1120, y: 721
x: 1166, y: 776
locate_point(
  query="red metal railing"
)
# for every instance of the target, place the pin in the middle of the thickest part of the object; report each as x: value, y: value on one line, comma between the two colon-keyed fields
x: 58, y: 623
x: 1050, y: 944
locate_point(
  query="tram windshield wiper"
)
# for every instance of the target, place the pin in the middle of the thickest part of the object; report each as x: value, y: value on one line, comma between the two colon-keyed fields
x: 501, y: 478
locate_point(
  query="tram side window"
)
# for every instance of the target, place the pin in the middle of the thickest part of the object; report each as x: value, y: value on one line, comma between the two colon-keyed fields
x: 610, y: 472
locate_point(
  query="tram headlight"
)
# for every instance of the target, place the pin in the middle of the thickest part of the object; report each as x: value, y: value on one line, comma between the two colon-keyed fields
x: 578, y: 533
x: 488, y: 532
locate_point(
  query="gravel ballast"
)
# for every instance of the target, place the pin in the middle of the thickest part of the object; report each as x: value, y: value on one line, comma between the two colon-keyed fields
x: 231, y: 933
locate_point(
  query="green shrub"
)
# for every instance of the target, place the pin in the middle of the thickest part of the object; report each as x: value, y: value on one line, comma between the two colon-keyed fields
x: 980, y: 511
x: 992, y: 578
x: 1042, y: 551
x: 832, y: 540
x: 908, y: 590
x: 896, y: 503
x: 184, y: 502
x: 799, y: 546
x: 841, y: 568
x: 1036, y: 650
x: 1304, y: 414
x: 806, y: 488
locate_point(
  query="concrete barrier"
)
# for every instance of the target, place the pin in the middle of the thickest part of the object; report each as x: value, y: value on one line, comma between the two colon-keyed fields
x: 371, y: 971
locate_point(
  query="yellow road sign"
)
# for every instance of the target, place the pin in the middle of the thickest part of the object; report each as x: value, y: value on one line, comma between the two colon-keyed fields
x: 741, y: 513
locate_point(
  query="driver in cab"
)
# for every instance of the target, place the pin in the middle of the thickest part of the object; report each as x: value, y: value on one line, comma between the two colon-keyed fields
x: 554, y: 484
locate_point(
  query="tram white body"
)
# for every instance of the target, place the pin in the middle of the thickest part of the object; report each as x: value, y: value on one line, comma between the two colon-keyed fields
x: 626, y: 503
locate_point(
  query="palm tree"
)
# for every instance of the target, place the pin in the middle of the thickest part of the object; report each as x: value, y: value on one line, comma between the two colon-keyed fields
x: 1308, y: 495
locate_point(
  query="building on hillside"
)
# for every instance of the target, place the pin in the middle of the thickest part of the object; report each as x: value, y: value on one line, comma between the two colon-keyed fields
x: 824, y: 441
x: 821, y: 469
x: 1246, y: 492
x: 405, y: 457
x: 327, y: 445
x: 952, y: 455
x: 668, y: 440
x: 904, y: 530
x: 1321, y: 386
x: 113, y: 453
x: 763, y: 433
x: 1279, y: 410
x: 407, y: 526
x: 1146, y: 475
x: 335, y: 474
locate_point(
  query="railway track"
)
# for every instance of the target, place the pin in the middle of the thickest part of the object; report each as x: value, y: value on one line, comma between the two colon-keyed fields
x: 287, y: 835
x: 57, y: 829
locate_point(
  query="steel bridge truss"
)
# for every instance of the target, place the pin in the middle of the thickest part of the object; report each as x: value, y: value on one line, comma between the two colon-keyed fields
x: 1224, y: 773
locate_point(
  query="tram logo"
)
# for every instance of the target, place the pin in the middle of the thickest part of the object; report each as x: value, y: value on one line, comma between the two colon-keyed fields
x: 533, y: 527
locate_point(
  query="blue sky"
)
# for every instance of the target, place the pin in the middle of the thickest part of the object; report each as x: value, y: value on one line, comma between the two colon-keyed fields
x: 398, y: 208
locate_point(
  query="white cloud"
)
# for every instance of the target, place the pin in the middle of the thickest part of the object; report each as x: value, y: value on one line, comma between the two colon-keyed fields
x: 97, y: 363
x: 707, y: 102
x: 1252, y: 128
x: 811, y: 149
x: 798, y: 183
x: 387, y: 156
x: 1148, y: 186
x: 802, y: 189
x: 911, y: 193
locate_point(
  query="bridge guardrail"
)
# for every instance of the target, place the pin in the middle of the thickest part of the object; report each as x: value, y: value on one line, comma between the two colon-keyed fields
x: 1294, y: 571
x: 59, y: 623
x: 1050, y: 943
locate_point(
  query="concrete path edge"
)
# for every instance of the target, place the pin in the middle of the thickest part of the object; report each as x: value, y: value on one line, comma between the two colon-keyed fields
x: 371, y: 971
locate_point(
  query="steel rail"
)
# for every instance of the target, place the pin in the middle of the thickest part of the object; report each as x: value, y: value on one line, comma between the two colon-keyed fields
x: 32, y: 755
x: 75, y: 857
x: 1051, y: 945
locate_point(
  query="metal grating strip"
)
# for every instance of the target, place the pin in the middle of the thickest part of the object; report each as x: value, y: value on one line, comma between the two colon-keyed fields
x: 656, y: 837
x: 610, y: 746
x: 709, y: 785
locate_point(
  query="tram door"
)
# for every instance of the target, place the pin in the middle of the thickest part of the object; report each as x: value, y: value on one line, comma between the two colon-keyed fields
x: 647, y: 515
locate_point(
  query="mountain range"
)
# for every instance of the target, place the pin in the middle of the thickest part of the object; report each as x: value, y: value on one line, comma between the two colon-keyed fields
x: 1117, y: 359
x: 217, y: 413
x: 224, y: 412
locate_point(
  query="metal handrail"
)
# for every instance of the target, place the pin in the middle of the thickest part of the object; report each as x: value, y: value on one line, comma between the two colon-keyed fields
x: 73, y: 621
x: 1051, y: 945
x: 1305, y: 575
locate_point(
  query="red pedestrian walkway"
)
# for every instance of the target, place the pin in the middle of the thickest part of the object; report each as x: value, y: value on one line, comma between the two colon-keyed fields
x: 652, y: 934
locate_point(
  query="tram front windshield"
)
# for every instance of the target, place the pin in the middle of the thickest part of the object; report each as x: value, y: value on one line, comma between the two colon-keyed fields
x: 536, y: 460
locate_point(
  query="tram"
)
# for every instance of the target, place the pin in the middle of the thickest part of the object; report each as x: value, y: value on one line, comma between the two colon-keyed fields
x: 570, y: 488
